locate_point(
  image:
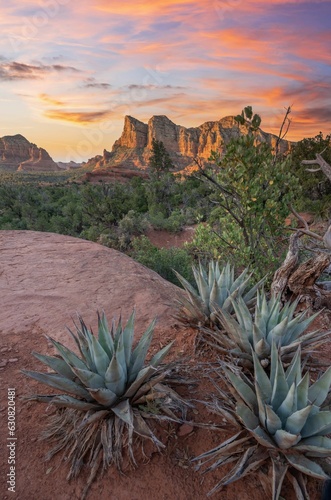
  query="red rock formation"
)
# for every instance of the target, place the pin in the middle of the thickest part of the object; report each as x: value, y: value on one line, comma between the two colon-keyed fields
x: 133, y: 148
x: 17, y: 153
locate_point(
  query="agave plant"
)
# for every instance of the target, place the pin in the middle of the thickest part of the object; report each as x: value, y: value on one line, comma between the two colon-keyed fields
x: 109, y: 394
x: 281, y: 422
x: 272, y: 322
x: 216, y: 289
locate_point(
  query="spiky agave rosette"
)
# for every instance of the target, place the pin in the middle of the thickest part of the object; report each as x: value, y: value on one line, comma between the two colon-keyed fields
x: 281, y: 422
x: 272, y: 322
x: 110, y: 395
x: 215, y: 290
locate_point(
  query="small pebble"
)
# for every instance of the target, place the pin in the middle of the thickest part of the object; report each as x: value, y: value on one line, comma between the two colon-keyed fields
x: 13, y: 360
x: 185, y: 429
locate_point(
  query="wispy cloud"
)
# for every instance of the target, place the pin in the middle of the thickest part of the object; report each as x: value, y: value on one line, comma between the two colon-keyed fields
x: 83, y: 117
x: 13, y: 70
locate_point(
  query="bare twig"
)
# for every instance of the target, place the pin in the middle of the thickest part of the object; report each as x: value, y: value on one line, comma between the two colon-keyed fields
x: 281, y: 135
x: 324, y: 166
x: 306, y: 230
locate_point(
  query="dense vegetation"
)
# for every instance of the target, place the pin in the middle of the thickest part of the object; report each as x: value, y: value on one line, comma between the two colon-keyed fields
x: 238, y: 203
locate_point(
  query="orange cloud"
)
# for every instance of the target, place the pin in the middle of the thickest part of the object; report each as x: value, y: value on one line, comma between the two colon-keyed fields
x: 82, y: 117
x: 49, y: 100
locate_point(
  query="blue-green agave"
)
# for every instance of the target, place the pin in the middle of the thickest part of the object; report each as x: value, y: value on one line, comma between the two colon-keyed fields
x: 216, y: 289
x: 282, y: 420
x: 107, y: 393
x: 271, y: 322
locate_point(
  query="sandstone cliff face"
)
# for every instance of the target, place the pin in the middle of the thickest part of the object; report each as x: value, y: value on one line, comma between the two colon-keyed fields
x: 133, y: 148
x: 17, y: 153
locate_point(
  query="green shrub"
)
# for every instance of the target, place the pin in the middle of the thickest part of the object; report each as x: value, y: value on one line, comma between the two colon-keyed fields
x: 163, y: 260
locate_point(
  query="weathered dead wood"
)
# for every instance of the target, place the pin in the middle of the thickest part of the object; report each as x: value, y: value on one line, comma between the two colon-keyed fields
x: 303, y: 279
x: 323, y: 165
x: 281, y: 276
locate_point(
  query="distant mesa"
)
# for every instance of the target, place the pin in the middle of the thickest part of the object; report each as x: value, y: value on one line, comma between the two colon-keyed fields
x: 132, y: 150
x: 71, y: 165
x: 18, y: 154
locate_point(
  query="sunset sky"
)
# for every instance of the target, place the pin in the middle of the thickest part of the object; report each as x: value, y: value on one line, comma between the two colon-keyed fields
x: 70, y: 70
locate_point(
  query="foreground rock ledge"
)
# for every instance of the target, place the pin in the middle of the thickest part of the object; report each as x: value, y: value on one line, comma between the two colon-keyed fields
x: 46, y: 278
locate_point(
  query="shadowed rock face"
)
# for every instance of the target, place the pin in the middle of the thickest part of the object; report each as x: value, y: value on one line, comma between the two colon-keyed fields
x: 17, y: 153
x: 133, y: 148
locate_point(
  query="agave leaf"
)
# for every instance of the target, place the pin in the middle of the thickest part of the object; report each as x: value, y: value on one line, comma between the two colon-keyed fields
x: 84, y: 336
x: 257, y: 334
x: 299, y: 485
x: 92, y: 418
x: 280, y: 388
x: 68, y: 356
x: 234, y: 330
x: 128, y: 334
x: 243, y: 467
x: 289, y: 405
x: 147, y: 387
x: 188, y: 287
x: 142, y: 376
x: 261, y: 313
x: 223, y: 284
x: 273, y: 422
x: 316, y: 336
x: 104, y: 337
x: 244, y: 316
x: 89, y: 379
x: 227, y: 304
x: 262, y: 349
x: 277, y: 333
x: 124, y: 411
x: 273, y: 316
x: 317, y: 425
x: 293, y: 372
x: 115, y: 377
x: 303, y: 464
x: 58, y: 365
x: 302, y: 392
x: 142, y: 429
x: 297, y: 420
x: 99, y: 355
x: 285, y: 439
x: 262, y: 378
x: 104, y: 396
x: 244, y: 391
x: 237, y: 439
x: 279, y: 471
x: 317, y: 446
x: 318, y: 392
x: 242, y: 279
x: 300, y: 327
x: 249, y: 419
x: 139, y: 354
x: 262, y: 399
x: 273, y: 363
x: 159, y: 356
x: 252, y: 292
x: 65, y: 401
x: 262, y: 437
x: 58, y: 382
x: 214, y: 294
x: 120, y: 354
x: 202, y: 285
